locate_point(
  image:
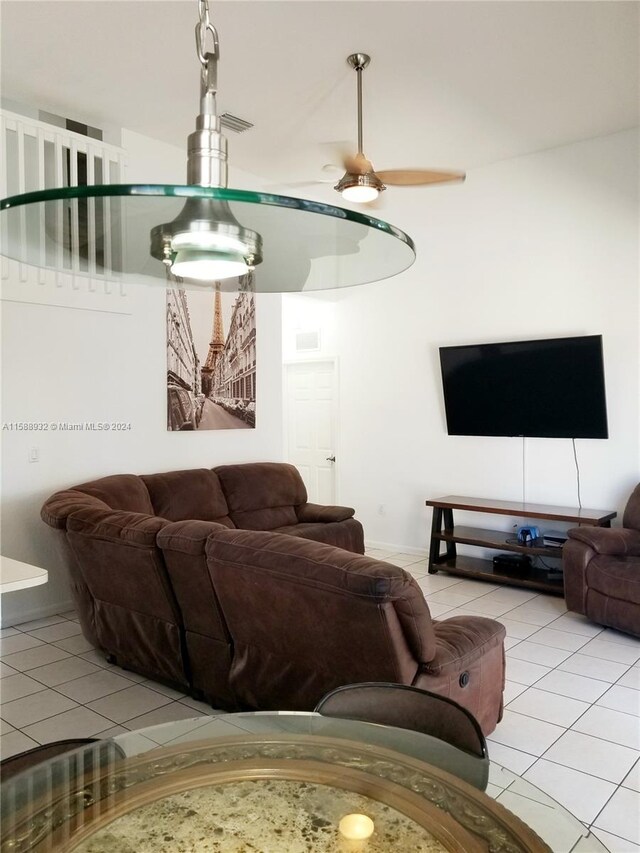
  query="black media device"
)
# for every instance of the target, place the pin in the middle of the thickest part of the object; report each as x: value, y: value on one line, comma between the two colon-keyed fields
x: 505, y: 562
x: 550, y: 388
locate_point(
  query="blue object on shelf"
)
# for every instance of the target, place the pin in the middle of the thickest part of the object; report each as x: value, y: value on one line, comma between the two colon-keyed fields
x: 527, y: 535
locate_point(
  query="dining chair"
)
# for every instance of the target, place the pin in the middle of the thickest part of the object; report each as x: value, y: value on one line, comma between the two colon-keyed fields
x: 418, y: 710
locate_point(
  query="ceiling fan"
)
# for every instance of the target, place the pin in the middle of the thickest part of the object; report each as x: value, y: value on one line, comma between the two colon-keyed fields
x: 361, y: 183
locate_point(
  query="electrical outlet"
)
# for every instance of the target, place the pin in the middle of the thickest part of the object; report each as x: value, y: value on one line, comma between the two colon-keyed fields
x: 34, y: 454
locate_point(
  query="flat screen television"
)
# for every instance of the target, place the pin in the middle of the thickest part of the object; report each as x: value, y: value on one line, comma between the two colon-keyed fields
x: 547, y: 388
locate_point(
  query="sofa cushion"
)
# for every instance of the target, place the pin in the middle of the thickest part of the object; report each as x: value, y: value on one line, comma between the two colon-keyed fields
x: 269, y: 518
x: 615, y: 577
x: 262, y: 495
x: 192, y: 494
x: 120, y: 491
x: 187, y: 537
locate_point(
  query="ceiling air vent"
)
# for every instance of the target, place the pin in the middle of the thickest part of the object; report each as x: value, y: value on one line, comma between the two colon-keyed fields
x: 231, y: 122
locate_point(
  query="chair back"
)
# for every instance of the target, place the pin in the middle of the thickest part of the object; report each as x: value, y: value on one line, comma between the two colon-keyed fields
x: 305, y: 617
x: 631, y: 516
x: 407, y: 708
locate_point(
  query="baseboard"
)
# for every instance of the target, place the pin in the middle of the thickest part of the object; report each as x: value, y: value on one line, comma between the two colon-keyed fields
x: 396, y: 549
x: 38, y: 613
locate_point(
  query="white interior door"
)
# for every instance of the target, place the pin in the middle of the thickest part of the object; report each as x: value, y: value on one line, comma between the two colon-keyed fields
x: 311, y: 403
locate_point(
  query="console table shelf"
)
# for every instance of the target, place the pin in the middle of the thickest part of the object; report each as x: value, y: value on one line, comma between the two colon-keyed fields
x: 480, y: 569
x: 443, y: 530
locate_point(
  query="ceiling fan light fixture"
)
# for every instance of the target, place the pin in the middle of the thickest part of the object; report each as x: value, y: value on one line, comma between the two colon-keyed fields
x: 360, y: 188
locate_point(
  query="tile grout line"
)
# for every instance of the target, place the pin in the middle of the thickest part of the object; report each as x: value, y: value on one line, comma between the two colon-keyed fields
x: 591, y: 705
x: 77, y: 704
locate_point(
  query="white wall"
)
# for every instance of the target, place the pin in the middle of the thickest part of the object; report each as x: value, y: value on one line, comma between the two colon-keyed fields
x: 540, y: 246
x: 311, y: 314
x: 63, y: 364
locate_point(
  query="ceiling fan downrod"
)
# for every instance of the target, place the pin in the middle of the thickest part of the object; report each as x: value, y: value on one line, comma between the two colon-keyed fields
x: 359, y: 61
x: 359, y: 183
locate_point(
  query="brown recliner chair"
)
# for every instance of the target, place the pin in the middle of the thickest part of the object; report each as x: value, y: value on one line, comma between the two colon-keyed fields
x: 305, y: 617
x: 602, y: 571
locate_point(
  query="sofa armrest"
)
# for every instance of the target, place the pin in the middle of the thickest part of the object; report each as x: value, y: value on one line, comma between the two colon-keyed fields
x: 619, y: 541
x: 130, y: 528
x: 57, y: 509
x: 310, y: 513
x: 188, y: 537
x: 462, y: 639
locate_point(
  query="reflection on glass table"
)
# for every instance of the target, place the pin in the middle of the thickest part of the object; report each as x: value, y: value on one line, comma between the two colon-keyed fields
x: 277, y: 781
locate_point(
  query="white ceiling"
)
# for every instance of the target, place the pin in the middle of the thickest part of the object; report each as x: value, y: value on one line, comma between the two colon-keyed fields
x: 451, y: 84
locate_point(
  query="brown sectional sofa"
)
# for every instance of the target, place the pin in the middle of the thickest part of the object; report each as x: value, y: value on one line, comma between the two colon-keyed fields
x: 228, y: 583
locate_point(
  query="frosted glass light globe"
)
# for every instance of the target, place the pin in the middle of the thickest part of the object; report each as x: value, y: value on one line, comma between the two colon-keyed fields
x: 359, y: 194
x: 208, y: 266
x: 356, y: 827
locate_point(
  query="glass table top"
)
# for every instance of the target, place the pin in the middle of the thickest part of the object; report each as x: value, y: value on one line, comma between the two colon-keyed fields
x: 118, y: 232
x: 277, y: 782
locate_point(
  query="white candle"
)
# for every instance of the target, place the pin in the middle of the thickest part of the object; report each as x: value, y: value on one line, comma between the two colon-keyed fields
x: 356, y: 827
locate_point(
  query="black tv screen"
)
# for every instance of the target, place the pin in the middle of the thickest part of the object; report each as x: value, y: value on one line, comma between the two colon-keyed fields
x: 548, y: 388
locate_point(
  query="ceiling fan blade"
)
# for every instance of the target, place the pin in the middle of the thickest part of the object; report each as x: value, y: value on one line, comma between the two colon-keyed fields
x: 357, y: 164
x: 415, y: 177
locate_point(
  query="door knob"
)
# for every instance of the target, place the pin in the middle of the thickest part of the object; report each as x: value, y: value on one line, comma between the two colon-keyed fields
x: 331, y: 458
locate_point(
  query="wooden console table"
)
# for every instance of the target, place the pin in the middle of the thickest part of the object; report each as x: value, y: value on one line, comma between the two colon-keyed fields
x: 444, y: 530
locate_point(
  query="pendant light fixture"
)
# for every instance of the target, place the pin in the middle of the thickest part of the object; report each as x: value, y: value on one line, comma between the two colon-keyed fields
x: 205, y: 242
x: 202, y: 232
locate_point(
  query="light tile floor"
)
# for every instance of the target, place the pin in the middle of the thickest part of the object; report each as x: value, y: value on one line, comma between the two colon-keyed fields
x: 571, y: 724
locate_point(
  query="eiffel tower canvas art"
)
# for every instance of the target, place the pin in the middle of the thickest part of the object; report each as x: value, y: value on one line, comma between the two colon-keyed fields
x: 211, y: 358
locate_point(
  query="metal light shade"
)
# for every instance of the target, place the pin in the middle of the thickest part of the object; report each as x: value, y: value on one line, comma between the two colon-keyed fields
x: 206, y: 242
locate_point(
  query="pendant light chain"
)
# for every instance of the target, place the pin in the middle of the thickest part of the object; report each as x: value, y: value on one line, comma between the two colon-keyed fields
x: 208, y: 58
x: 203, y: 27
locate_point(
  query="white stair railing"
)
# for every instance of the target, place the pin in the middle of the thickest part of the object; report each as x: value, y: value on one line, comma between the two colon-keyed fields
x: 72, y: 254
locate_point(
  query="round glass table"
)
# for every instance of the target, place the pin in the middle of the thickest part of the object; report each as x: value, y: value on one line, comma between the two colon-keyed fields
x: 279, y: 782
